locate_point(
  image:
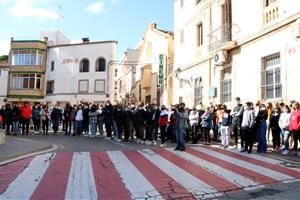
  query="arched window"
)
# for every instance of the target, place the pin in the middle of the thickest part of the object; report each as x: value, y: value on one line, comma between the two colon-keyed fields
x: 84, y: 65
x: 100, y: 65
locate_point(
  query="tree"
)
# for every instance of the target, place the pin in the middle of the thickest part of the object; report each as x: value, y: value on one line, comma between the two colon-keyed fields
x: 4, y: 58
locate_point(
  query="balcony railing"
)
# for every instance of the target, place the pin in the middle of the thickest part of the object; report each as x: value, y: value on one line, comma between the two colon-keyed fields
x: 222, y: 35
x: 271, y: 13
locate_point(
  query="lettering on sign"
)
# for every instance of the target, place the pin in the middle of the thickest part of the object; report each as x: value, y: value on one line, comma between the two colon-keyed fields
x: 70, y: 60
x: 161, y: 69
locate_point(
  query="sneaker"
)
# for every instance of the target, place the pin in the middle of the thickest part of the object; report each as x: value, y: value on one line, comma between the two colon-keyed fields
x: 138, y: 141
x: 142, y: 142
x: 147, y: 142
x: 154, y: 143
x: 119, y: 140
x: 163, y: 145
x: 285, y: 152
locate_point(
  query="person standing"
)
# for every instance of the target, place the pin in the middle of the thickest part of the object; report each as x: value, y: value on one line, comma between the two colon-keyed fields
x: 140, y: 119
x: 261, y: 119
x: 7, y: 119
x: 36, y: 118
x: 108, y: 114
x: 237, y: 115
x: 15, y: 118
x: 284, y: 122
x: 180, y: 126
x: 247, y: 127
x: 93, y: 120
x: 194, y: 120
x: 45, y: 115
x: 269, y: 109
x: 85, y: 121
x: 78, y: 121
x: 128, y: 123
x: 66, y: 119
x: 226, y: 121
x: 206, y: 124
x: 294, y: 125
x: 274, y: 119
x: 154, y: 124
x: 26, y: 113
x: 163, y: 123
x: 100, y: 120
x: 55, y: 118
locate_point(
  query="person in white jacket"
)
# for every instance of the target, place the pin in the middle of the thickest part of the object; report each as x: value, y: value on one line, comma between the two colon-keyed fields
x: 194, y: 120
x: 284, y: 122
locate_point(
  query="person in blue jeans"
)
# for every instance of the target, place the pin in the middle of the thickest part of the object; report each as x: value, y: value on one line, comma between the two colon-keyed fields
x: 261, y: 119
x: 15, y: 118
x: 180, y: 126
x: 284, y: 122
x: 93, y: 120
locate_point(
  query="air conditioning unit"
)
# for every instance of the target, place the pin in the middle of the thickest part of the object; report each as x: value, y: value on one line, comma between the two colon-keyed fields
x: 221, y: 57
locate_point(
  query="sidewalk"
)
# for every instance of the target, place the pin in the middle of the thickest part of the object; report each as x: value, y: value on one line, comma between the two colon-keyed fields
x: 17, y: 147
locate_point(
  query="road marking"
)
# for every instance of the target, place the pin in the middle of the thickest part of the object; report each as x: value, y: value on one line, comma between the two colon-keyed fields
x: 248, y: 165
x: 136, y: 183
x: 165, y: 184
x: 54, y: 183
x: 9, y: 172
x: 24, y: 185
x: 81, y: 184
x: 108, y: 182
x: 197, y: 187
x: 218, y: 168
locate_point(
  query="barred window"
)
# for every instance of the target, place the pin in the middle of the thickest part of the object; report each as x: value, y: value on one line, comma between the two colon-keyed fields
x: 226, y: 86
x: 271, y: 77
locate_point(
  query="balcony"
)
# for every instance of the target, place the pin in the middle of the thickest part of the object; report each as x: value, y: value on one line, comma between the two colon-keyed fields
x: 271, y: 13
x: 223, y: 38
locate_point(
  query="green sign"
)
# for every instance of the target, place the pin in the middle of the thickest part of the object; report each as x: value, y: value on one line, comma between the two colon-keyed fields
x: 161, y: 69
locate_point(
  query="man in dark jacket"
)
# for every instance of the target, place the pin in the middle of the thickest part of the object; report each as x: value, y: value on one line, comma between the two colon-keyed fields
x: 154, y: 124
x: 140, y: 118
x: 55, y: 117
x: 128, y: 123
x: 15, y: 118
x: 180, y: 126
x: 7, y: 118
x: 108, y: 114
x: 86, y: 119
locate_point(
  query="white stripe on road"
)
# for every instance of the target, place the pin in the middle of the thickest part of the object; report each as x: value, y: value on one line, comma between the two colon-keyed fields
x: 267, y: 172
x: 24, y: 185
x: 191, y: 183
x: 135, y: 182
x: 81, y: 183
x: 233, y: 177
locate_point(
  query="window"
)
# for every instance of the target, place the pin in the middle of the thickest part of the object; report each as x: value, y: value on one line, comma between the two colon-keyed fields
x: 198, y: 1
x: 27, y: 57
x: 99, y: 85
x: 100, y: 65
x: 181, y: 3
x: 50, y: 87
x: 181, y: 83
x: 25, y: 81
x: 85, y: 65
x: 52, y: 65
x: 198, y: 90
x: 268, y: 2
x: 226, y: 86
x: 116, y: 85
x: 199, y: 35
x: 83, y: 86
x: 116, y: 72
x: 182, y: 36
x: 271, y: 77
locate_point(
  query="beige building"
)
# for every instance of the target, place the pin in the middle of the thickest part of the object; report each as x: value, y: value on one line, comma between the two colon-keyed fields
x: 229, y: 48
x: 145, y: 72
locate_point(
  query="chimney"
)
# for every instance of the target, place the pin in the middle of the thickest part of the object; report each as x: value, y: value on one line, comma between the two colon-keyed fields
x: 85, y: 40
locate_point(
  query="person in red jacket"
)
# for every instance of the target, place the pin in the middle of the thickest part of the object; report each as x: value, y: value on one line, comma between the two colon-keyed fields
x: 163, y: 123
x: 294, y: 126
x: 26, y: 113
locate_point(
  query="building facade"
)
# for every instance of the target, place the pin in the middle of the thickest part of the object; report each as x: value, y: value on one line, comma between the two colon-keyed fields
x: 4, y: 67
x: 229, y: 48
x: 56, y: 71
x: 147, y: 69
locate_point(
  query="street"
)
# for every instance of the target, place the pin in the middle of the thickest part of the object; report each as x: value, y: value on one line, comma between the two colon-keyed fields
x: 96, y: 168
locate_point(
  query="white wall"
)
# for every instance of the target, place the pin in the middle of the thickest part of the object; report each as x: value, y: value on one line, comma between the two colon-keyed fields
x: 66, y: 76
x: 3, y: 84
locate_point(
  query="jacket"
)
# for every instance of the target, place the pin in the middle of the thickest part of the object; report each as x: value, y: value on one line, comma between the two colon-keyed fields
x: 284, y: 121
x: 295, y: 121
x: 163, y: 118
x: 93, y: 117
x: 237, y: 114
x: 206, y: 119
x: 248, y: 118
x: 26, y: 112
x: 194, y: 117
x: 226, y: 118
x: 36, y: 113
x: 44, y: 114
x: 181, y: 119
x: 15, y: 114
x: 274, y: 119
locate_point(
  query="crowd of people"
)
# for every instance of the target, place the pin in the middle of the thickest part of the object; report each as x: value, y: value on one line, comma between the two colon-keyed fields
x: 241, y: 127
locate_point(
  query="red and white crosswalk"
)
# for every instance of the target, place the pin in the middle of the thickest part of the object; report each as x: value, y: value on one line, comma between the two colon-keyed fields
x: 197, y: 173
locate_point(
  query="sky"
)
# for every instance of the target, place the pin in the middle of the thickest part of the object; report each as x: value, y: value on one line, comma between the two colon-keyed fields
x: 121, y: 20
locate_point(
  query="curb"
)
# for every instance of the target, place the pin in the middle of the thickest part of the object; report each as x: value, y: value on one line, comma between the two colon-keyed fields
x: 48, y: 149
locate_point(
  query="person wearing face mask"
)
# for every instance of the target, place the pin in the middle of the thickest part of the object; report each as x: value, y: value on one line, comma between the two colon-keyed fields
x: 93, y: 121
x: 55, y: 117
x: 180, y: 126
x: 45, y: 116
x: 294, y: 126
x: 72, y: 119
x: 128, y: 122
x: 108, y: 114
x: 154, y: 124
x: 284, y: 121
x: 237, y: 115
x: 261, y: 119
x: 36, y: 118
x: 140, y: 118
x: 247, y: 135
x: 194, y: 119
x: 226, y: 122
x: 78, y: 120
x: 100, y: 120
x: 206, y: 120
x: 274, y: 119
x: 163, y: 123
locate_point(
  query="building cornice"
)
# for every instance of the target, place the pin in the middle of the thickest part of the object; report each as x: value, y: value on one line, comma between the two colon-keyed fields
x: 78, y: 44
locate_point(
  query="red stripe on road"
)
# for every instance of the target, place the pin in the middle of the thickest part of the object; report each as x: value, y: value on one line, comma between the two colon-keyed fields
x: 53, y: 184
x: 108, y: 182
x: 162, y: 182
x: 278, y: 168
x: 217, y: 182
x: 252, y: 175
x: 9, y: 172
